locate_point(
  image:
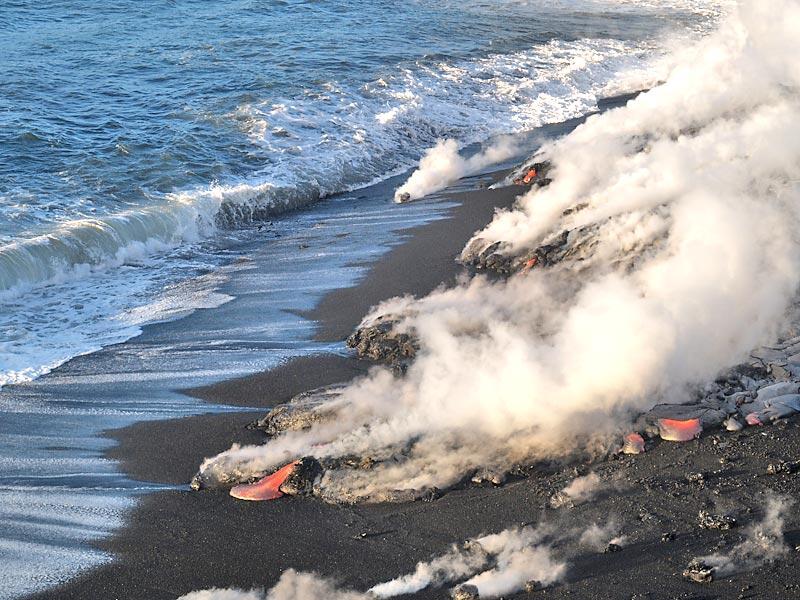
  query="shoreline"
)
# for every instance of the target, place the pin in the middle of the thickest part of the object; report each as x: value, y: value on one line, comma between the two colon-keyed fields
x: 140, y: 449
x: 179, y: 541
x: 338, y: 313
x: 143, y: 448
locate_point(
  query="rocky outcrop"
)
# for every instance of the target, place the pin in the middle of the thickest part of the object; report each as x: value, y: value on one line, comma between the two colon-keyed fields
x: 381, y: 340
x: 301, y: 412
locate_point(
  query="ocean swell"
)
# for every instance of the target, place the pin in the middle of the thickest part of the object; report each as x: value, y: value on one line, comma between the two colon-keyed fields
x: 333, y: 140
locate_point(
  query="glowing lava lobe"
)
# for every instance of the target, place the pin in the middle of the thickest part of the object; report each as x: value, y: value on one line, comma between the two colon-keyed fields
x: 266, y: 488
x: 753, y: 419
x: 674, y: 430
x: 634, y: 444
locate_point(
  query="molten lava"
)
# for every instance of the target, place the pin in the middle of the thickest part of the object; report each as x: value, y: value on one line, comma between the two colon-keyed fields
x: 634, y: 444
x: 675, y: 430
x: 267, y: 488
x: 753, y: 419
x: 529, y: 264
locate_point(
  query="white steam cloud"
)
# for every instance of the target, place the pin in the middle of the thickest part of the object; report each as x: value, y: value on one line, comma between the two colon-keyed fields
x: 443, y: 165
x: 683, y: 255
x: 521, y: 557
x: 583, y: 488
x: 459, y: 562
x: 496, y: 564
x: 764, y: 542
x: 223, y: 594
x: 598, y: 537
x: 292, y: 585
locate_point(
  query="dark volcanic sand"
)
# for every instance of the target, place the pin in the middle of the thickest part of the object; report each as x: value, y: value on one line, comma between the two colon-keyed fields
x: 179, y: 541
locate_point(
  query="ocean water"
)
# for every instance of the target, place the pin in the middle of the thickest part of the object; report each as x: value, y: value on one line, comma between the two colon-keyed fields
x: 203, y: 165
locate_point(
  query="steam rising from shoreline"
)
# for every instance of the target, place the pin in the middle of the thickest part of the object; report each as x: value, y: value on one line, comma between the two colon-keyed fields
x: 682, y: 209
x: 442, y: 165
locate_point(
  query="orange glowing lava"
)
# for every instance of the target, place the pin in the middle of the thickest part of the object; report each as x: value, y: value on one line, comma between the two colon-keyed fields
x: 267, y: 488
x: 753, y: 419
x: 634, y: 444
x: 675, y: 430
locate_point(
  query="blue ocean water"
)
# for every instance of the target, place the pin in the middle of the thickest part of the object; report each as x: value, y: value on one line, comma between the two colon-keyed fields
x: 131, y: 129
x: 145, y: 148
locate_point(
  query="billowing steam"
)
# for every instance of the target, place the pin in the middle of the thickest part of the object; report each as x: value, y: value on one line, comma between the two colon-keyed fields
x: 520, y: 557
x: 682, y: 255
x: 598, y: 537
x: 223, y: 594
x: 583, y: 488
x: 292, y: 585
x: 443, y: 165
x: 459, y: 562
x: 496, y: 564
x: 764, y: 542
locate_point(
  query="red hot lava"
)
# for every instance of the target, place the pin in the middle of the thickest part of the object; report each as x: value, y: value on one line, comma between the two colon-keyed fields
x: 675, y: 430
x: 267, y: 488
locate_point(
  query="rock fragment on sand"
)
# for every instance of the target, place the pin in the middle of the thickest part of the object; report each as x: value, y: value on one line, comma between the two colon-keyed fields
x: 561, y: 500
x: 611, y: 548
x: 492, y: 476
x: 733, y: 424
x: 302, y: 411
x: 533, y: 586
x: 783, y: 467
x: 634, y: 444
x: 676, y: 430
x: 465, y: 592
x: 707, y: 520
x: 698, y: 478
x: 698, y: 571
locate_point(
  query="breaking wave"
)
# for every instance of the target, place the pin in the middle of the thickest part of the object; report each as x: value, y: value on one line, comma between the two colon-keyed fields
x: 335, y: 140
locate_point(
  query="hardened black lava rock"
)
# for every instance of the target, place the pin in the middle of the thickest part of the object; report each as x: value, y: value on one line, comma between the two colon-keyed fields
x: 301, y: 480
x: 301, y: 412
x: 698, y: 572
x: 380, y: 341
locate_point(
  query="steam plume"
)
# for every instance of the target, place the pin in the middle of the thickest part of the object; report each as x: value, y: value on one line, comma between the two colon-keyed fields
x: 521, y: 557
x: 292, y: 585
x: 583, y: 488
x: 764, y: 542
x: 443, y: 165
x: 682, y: 256
x: 598, y: 537
x: 497, y: 564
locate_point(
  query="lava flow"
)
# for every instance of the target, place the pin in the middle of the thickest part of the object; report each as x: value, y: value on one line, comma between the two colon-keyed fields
x: 266, y: 488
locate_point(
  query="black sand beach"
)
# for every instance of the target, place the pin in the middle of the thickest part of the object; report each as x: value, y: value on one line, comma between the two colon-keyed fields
x: 179, y: 541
